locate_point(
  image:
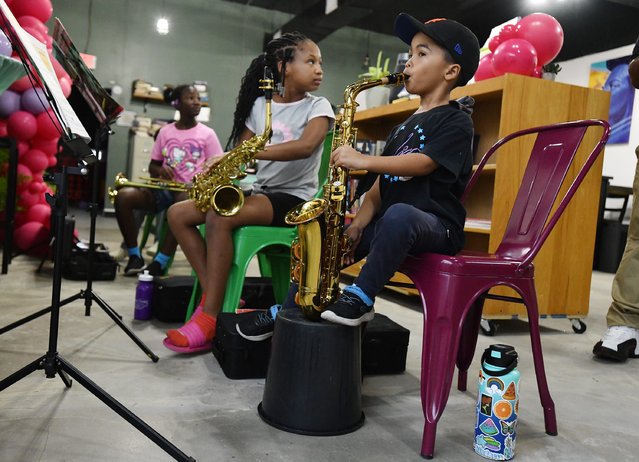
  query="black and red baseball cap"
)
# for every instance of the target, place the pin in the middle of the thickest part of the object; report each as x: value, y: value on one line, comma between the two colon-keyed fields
x: 456, y: 38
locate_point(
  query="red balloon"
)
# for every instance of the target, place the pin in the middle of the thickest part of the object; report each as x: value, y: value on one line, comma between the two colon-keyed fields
x: 493, y: 43
x: 29, y: 235
x: 544, y: 32
x: 39, y: 9
x: 36, y: 160
x: 48, y: 41
x: 516, y: 56
x: 48, y: 126
x: 22, y: 125
x: 24, y: 177
x: 65, y: 85
x: 40, y: 213
x: 485, y: 68
x: 48, y: 146
x: 3, y: 128
x: 508, y: 32
x: 30, y: 21
x: 20, y: 218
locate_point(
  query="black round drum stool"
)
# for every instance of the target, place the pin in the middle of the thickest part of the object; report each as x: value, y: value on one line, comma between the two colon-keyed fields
x: 314, y: 378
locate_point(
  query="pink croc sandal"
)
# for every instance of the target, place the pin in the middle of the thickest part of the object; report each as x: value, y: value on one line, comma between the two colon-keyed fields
x: 195, y: 336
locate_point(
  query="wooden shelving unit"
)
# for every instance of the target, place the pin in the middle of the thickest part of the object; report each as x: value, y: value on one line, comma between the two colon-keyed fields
x: 504, y: 105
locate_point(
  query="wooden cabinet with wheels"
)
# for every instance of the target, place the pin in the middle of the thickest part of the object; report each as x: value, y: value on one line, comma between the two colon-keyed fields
x: 504, y: 105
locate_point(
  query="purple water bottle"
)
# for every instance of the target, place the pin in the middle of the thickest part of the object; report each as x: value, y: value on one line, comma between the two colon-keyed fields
x: 143, y: 297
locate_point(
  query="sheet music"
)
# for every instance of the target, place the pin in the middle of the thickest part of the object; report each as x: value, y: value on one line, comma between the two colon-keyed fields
x: 39, y: 57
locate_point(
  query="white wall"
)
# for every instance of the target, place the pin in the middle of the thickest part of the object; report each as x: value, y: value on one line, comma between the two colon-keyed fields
x: 620, y: 159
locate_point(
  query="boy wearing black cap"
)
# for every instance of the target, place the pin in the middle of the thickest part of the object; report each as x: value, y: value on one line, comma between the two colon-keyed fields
x: 413, y: 205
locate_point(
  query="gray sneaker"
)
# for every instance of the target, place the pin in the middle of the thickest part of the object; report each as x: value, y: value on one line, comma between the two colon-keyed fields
x: 349, y: 310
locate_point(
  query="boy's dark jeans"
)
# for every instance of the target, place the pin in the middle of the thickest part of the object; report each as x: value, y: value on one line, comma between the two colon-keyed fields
x: 386, y: 243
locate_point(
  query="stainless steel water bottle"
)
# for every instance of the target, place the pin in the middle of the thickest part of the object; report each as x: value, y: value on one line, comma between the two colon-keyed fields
x: 497, y: 403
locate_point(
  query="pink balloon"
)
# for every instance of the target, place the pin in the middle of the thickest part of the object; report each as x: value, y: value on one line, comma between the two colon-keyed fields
x: 57, y: 67
x: 40, y: 213
x: 53, y: 160
x: 37, y: 186
x: 516, y: 56
x: 48, y: 41
x: 29, y: 235
x: 48, y: 126
x: 485, y: 68
x: 39, y: 9
x: 36, y: 160
x: 30, y: 21
x: 3, y: 128
x: 493, y: 43
x: 544, y: 32
x: 20, y: 218
x: 65, y: 84
x: 22, y: 84
x: 48, y: 146
x: 538, y: 71
x: 23, y: 147
x: 22, y: 125
x: 25, y: 177
x: 28, y: 199
x: 508, y: 32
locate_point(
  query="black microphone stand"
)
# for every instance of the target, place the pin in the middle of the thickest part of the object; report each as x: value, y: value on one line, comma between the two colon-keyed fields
x: 88, y: 294
x: 52, y: 363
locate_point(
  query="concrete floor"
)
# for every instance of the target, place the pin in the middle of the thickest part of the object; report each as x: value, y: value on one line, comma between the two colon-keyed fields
x: 190, y: 402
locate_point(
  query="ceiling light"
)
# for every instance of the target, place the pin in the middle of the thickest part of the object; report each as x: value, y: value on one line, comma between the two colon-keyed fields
x: 162, y: 26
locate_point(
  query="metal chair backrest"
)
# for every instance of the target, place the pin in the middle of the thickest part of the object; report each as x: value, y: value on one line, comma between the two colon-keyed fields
x: 551, y: 157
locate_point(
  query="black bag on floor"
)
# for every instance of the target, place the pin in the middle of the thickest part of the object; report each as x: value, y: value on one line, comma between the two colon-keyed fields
x: 171, y: 296
x: 384, y: 347
x: 257, y: 292
x: 238, y: 357
x: 76, y: 265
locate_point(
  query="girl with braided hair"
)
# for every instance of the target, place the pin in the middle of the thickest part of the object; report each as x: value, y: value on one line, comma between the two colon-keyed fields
x: 286, y: 177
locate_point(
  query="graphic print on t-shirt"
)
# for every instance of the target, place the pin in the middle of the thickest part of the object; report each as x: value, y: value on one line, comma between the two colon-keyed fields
x: 282, y: 132
x: 182, y: 157
x: 404, y: 148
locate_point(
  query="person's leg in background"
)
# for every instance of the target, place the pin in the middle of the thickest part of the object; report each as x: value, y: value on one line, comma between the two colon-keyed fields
x: 126, y: 202
x: 621, y: 339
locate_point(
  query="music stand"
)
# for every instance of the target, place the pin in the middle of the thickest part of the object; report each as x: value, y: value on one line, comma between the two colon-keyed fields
x: 51, y: 362
x: 105, y: 110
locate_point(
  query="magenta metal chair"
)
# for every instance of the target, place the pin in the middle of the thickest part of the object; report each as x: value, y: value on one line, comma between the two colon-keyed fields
x: 453, y: 288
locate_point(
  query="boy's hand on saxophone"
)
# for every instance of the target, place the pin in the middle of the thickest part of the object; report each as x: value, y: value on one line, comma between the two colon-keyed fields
x: 353, y: 234
x: 347, y: 157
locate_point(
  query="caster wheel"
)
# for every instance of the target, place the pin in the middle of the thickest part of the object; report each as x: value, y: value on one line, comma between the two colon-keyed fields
x: 488, y: 327
x: 578, y: 326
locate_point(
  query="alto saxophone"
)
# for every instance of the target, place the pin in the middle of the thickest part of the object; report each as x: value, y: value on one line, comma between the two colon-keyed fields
x: 316, y: 253
x: 214, y: 188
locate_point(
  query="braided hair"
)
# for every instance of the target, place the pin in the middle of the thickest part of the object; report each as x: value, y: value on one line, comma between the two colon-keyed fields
x: 173, y: 96
x: 281, y: 49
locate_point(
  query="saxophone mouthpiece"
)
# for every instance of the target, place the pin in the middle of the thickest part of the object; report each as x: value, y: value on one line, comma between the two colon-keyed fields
x: 395, y: 79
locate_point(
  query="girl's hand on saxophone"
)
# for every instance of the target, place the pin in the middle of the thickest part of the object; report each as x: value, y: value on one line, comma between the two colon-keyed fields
x: 347, y: 157
x: 166, y: 173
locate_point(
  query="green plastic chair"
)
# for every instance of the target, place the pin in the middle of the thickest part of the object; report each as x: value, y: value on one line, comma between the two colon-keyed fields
x: 271, y: 244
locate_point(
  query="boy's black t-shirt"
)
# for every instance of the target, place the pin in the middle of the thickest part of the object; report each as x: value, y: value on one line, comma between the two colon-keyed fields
x: 445, y: 134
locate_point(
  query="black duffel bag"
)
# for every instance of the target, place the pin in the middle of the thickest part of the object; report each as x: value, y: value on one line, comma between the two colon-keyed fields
x: 76, y: 264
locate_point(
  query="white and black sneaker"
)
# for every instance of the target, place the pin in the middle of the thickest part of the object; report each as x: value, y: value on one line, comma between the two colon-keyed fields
x: 256, y: 325
x: 349, y: 310
x: 618, y: 344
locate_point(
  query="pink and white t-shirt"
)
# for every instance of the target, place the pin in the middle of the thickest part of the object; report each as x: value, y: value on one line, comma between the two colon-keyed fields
x: 186, y: 151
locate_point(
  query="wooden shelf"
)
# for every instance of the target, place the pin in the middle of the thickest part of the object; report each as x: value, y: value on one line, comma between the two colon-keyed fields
x: 504, y: 105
